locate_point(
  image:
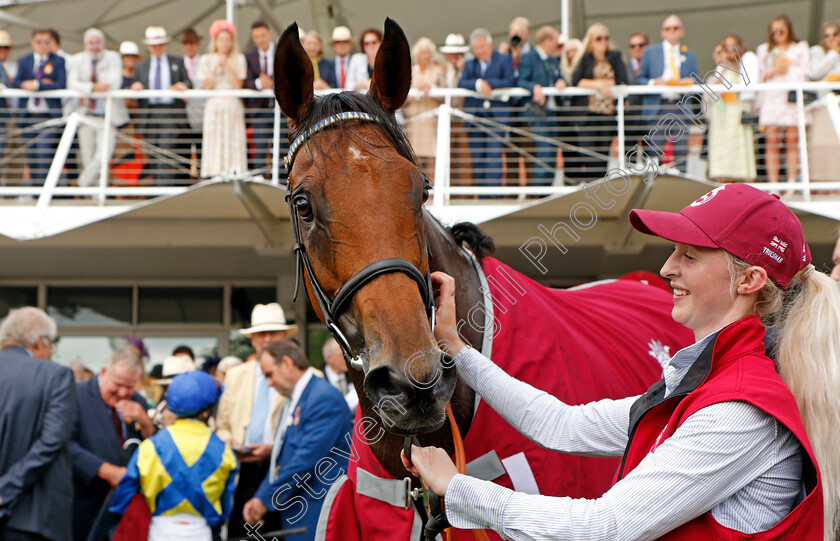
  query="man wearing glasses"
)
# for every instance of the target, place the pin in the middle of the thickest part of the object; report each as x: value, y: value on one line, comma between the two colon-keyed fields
x: 670, y: 63
x: 37, y: 407
x: 40, y: 70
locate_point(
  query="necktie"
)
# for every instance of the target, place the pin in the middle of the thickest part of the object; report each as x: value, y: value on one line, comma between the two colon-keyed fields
x: 549, y: 71
x: 343, y: 75
x: 190, y: 62
x: 278, y: 441
x: 259, y: 411
x: 115, y: 418
x: 264, y: 63
x: 675, y: 71
x: 483, y: 68
x: 92, y: 103
x: 156, y: 85
x: 38, y: 74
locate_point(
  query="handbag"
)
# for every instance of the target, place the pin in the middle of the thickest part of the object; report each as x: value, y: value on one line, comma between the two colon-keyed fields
x: 748, y: 118
x: 808, y: 96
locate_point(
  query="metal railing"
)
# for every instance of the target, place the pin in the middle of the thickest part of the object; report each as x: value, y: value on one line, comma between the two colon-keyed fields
x: 533, y: 151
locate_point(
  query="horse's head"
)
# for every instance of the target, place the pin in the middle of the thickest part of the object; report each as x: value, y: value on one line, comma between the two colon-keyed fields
x: 356, y: 199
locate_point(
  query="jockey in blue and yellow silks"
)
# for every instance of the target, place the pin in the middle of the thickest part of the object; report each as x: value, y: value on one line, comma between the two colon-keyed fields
x: 185, y: 472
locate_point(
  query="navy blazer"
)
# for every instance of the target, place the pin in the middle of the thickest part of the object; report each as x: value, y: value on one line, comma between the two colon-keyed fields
x: 37, y: 407
x: 94, y: 441
x: 321, y: 433
x: 326, y: 68
x: 56, y: 79
x: 177, y: 74
x: 653, y: 66
x: 257, y: 105
x: 499, y: 74
x: 534, y: 71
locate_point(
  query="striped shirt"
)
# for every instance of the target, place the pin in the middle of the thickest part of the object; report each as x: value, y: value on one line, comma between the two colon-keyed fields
x: 729, y: 458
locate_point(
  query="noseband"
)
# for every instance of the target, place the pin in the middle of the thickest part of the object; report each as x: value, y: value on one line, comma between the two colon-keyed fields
x: 332, y: 309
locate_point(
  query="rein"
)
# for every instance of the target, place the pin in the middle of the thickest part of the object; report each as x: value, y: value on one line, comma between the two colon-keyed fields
x: 436, y: 521
x: 332, y: 309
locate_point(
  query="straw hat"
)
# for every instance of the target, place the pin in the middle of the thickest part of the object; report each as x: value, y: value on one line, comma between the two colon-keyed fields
x: 341, y: 33
x: 268, y: 317
x: 174, y: 365
x: 5, y: 39
x: 454, y: 43
x: 156, y: 35
x: 561, y: 39
x: 129, y: 48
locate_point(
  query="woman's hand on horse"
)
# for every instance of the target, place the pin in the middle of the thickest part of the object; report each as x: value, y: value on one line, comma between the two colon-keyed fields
x: 446, y: 326
x: 433, y: 465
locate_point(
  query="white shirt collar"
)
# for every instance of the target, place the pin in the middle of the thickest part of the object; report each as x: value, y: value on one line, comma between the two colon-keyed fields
x: 269, y: 52
x: 678, y: 366
x: 300, y: 386
x: 541, y: 52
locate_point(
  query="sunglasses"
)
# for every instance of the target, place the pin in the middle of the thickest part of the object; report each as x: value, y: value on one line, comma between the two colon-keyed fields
x: 637, y: 45
x: 831, y: 34
x: 371, y: 43
x: 602, y: 38
x: 42, y: 41
x: 669, y: 28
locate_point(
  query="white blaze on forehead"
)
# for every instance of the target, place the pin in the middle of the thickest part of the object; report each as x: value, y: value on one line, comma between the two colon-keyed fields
x: 356, y: 153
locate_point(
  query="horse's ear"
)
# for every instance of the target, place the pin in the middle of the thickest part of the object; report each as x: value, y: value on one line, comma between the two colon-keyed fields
x: 293, y: 76
x: 392, y: 69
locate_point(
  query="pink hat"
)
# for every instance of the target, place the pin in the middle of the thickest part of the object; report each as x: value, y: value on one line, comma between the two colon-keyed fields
x: 222, y: 24
x: 746, y: 222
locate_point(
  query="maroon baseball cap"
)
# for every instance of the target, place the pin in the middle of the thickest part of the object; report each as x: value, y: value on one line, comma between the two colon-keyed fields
x: 750, y: 224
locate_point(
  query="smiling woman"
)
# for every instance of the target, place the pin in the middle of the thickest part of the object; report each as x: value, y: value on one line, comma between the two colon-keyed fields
x: 724, y: 447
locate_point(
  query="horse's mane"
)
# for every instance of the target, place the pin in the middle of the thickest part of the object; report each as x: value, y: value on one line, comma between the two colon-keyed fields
x: 480, y: 244
x: 344, y: 102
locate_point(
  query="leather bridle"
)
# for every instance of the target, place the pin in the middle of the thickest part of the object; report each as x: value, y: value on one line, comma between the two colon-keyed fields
x: 332, y: 309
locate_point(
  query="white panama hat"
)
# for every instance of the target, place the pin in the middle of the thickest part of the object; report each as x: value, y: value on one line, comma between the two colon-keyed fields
x: 268, y: 317
x: 156, y: 35
x: 454, y: 43
x: 341, y: 33
x: 129, y: 48
x: 174, y: 365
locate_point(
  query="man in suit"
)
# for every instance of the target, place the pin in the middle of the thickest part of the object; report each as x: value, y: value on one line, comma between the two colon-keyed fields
x: 40, y: 70
x: 249, y: 411
x: 335, y: 371
x: 96, y: 70
x: 314, y: 432
x: 540, y: 68
x: 484, y: 73
x: 110, y: 413
x: 164, y: 120
x: 669, y: 63
x: 260, y: 111
x: 635, y: 124
x: 37, y: 407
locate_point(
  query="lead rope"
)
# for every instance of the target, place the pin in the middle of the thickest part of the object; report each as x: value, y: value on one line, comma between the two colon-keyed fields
x: 437, y: 521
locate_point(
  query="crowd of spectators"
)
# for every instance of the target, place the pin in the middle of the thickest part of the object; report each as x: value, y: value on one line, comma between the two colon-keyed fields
x: 193, y: 138
x: 175, y: 453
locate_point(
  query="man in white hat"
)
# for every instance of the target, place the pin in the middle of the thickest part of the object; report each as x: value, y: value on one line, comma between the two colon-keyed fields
x: 163, y: 72
x: 96, y: 70
x: 249, y: 411
x: 342, y: 44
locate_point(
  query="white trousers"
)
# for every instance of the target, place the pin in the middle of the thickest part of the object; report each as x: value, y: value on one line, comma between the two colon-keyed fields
x: 179, y: 527
x: 90, y: 151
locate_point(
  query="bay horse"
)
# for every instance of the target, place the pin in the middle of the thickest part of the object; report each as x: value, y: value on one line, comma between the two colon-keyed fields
x: 365, y: 246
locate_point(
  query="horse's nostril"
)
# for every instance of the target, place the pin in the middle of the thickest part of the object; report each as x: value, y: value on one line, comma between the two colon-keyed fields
x: 385, y: 387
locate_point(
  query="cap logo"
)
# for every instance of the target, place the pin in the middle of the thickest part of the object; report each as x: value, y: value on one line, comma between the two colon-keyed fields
x: 774, y: 255
x: 707, y: 197
x: 778, y: 244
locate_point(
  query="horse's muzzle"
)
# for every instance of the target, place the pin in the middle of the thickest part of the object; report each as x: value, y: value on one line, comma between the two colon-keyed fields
x: 408, y: 404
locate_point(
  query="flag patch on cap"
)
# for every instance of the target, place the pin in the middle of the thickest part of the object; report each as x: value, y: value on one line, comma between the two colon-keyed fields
x: 778, y: 244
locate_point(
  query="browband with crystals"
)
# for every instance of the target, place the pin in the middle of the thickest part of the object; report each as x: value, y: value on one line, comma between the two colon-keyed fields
x: 289, y: 159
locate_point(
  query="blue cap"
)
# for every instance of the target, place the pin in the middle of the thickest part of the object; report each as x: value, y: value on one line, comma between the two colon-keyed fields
x: 192, y: 392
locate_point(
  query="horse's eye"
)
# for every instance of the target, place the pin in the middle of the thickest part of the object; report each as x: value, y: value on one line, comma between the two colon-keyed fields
x: 427, y: 189
x: 304, y: 209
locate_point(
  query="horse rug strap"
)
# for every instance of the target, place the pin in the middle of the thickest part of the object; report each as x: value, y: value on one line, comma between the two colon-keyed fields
x: 187, y: 480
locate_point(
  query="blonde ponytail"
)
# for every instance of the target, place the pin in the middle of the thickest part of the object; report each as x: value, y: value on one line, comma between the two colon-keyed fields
x: 809, y: 362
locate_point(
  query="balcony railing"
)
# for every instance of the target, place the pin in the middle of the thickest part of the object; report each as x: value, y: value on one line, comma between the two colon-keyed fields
x: 160, y: 154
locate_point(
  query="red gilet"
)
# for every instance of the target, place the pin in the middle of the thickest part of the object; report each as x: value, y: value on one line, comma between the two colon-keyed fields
x: 732, y: 367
